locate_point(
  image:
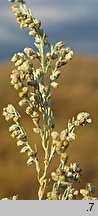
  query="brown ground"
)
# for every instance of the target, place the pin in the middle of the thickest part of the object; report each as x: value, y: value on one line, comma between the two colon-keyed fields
x: 78, y: 91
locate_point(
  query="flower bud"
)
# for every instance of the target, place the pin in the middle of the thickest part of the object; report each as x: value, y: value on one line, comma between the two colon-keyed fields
x: 58, y: 171
x: 49, y: 195
x: 36, y: 130
x: 48, y: 55
x: 54, y: 176
x: 55, y: 135
x: 76, y: 192
x: 15, y: 134
x: 71, y: 136
x: 19, y: 19
x: 15, y: 57
x: 32, y: 33
x: 25, y: 89
x: 21, y: 137
x: 69, y: 56
x: 19, y: 62
x: 84, y: 192
x: 29, y: 51
x: 62, y: 178
x: 37, y: 23
x: 15, y: 119
x: 35, y: 115
x: 20, y: 143
x: 64, y: 156
x: 24, y: 149
x: 22, y: 25
x: 83, y: 118
x: 37, y: 39
x: 29, y: 110
x: 13, y: 127
x: 60, y: 44
x: 17, y: 86
x: 21, y: 94
x: 69, y: 174
x: 66, y: 168
x: 63, y: 135
x: 22, y: 102
x: 55, y: 196
x: 31, y: 26
x: 54, y: 84
x: 14, y: 8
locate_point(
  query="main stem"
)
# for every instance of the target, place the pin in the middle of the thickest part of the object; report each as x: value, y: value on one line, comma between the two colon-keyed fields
x: 46, y: 129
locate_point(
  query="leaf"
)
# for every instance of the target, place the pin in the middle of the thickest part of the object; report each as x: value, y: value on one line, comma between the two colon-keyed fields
x: 37, y: 166
x: 51, y: 120
x: 73, y: 120
x: 52, y: 48
x: 24, y: 149
x: 49, y: 95
x: 37, y: 45
x: 70, y: 125
x: 36, y: 130
x: 53, y: 150
x: 35, y: 146
x: 30, y: 161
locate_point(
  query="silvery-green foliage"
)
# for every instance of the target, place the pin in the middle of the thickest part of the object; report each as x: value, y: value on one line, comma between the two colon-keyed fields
x: 35, y: 95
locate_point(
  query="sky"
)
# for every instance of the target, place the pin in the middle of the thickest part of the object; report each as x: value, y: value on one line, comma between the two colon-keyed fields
x: 73, y: 21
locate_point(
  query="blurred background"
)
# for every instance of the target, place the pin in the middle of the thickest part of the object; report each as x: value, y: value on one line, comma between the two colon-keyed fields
x: 76, y: 23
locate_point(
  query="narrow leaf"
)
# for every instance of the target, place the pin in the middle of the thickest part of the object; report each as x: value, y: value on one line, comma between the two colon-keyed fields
x: 24, y: 149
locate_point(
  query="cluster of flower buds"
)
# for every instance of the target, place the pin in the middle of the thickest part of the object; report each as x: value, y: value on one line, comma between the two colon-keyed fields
x: 54, y: 76
x: 30, y: 53
x: 10, y: 113
x: 18, y: 132
x: 25, y: 18
x: 24, y: 71
x: 70, y: 193
x: 88, y: 192
x: 70, y: 173
x: 52, y: 195
x: 35, y: 117
x: 59, y: 140
x: 21, y: 63
x: 73, y: 172
x: 18, y: 59
x: 54, y: 51
x: 24, y: 92
x: 39, y: 74
x: 64, y: 55
x: 82, y: 119
x: 15, y: 197
x: 23, y: 74
x: 64, y: 59
x: 15, y: 79
x: 35, y: 99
